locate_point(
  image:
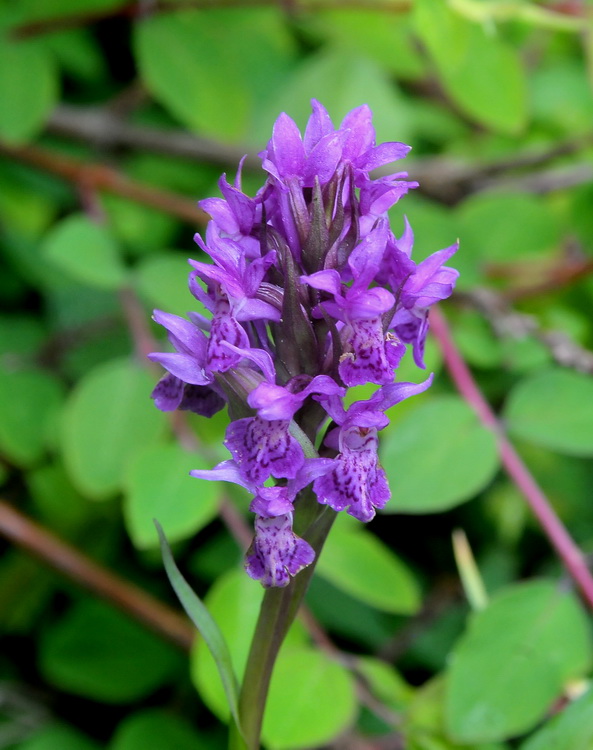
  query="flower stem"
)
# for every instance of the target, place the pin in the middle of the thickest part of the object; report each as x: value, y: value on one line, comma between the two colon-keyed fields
x: 278, y: 610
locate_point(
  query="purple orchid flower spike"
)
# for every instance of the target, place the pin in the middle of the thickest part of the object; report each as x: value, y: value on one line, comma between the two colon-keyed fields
x: 308, y: 293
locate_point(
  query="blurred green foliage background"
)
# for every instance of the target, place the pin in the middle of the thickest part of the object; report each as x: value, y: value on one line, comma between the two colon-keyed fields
x: 116, y: 116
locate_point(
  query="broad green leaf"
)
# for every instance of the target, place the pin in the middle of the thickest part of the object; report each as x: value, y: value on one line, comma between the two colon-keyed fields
x: 142, y: 229
x: 56, y: 501
x: 346, y: 616
x: 233, y: 602
x: 27, y: 211
x: 206, y: 625
x: 476, y: 341
x: 514, y: 660
x: 571, y: 729
x: 482, y: 74
x: 423, y: 722
x: 437, y: 456
x: 143, y: 729
x: 28, y: 89
x: 21, y: 335
x: 553, y: 409
x: 312, y: 699
x: 382, y: 37
x: 108, y: 416
x: 78, y: 53
x: 341, y: 81
x: 360, y: 564
x: 29, y: 400
x: 562, y: 96
x: 385, y: 683
x: 86, y: 251
x: 97, y: 652
x: 26, y: 590
x: 529, y: 228
x: 159, y: 486
x: 175, y: 50
x: 58, y: 737
x: 162, y: 281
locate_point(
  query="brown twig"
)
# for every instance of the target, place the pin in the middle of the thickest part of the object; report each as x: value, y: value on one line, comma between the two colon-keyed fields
x: 506, y: 322
x: 101, y: 126
x: 542, y: 182
x: 439, y: 177
x: 560, y: 277
x: 100, y: 177
x: 566, y: 549
x: 62, y: 557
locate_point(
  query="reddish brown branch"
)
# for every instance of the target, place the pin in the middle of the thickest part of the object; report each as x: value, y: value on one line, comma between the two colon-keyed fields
x: 566, y: 549
x: 101, y: 177
x: 62, y: 557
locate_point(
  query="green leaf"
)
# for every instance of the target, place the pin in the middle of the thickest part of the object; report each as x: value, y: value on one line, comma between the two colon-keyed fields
x: 28, y: 89
x: 108, y: 416
x: 86, y: 251
x: 21, y: 335
x: 476, y: 341
x: 571, y: 729
x: 562, y: 97
x: 141, y: 229
x: 97, y: 652
x: 58, y: 737
x: 357, y: 562
x: 382, y: 37
x: 29, y: 399
x: 206, y: 625
x: 553, y: 409
x: 437, y: 456
x: 159, y: 486
x: 514, y: 660
x: 56, y: 501
x: 141, y: 730
x: 348, y: 617
x: 423, y: 727
x: 162, y: 280
x: 175, y: 50
x: 529, y: 228
x: 479, y: 71
x: 385, y: 683
x: 312, y: 699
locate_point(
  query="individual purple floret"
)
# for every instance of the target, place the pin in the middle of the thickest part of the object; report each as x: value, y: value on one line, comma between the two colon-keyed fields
x: 356, y: 481
x: 263, y: 445
x: 309, y: 294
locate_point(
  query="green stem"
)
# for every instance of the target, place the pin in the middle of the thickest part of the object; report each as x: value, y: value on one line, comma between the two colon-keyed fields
x: 278, y: 610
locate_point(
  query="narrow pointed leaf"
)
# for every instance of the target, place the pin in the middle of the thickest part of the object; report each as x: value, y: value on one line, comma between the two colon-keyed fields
x: 205, y: 624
